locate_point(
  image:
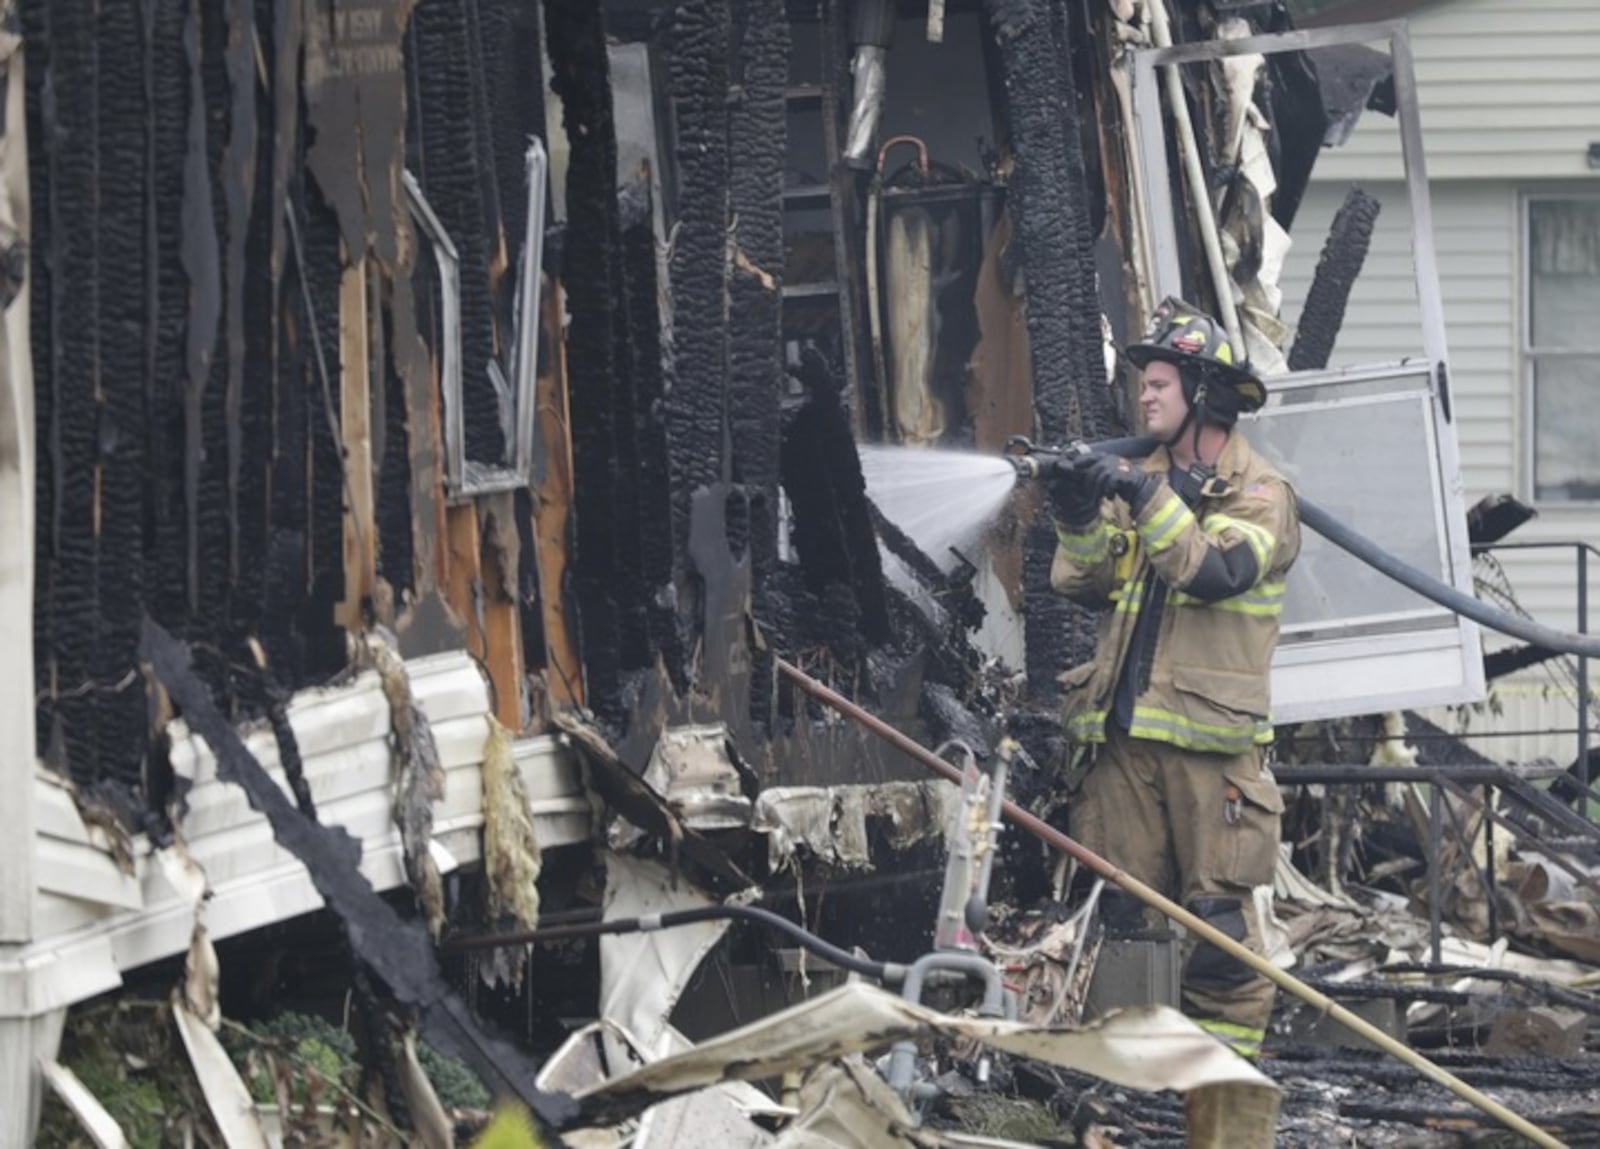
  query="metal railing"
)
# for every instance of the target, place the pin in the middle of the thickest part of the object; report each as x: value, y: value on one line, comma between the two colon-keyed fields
x: 1582, y: 551
x: 1518, y: 785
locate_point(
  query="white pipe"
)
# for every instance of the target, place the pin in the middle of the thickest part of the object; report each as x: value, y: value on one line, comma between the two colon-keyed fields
x: 1189, y: 149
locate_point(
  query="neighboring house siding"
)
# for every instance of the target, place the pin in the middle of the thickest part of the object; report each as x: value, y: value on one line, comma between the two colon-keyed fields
x: 1478, y: 232
x: 1505, y: 86
x: 1474, y: 229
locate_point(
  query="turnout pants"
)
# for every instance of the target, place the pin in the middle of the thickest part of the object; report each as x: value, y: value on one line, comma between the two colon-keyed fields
x: 1203, y: 829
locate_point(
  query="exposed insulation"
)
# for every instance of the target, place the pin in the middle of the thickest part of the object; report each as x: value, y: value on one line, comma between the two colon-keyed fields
x: 419, y: 778
x: 512, y: 859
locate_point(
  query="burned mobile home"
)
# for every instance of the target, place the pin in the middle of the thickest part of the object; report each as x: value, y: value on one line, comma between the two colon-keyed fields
x: 441, y: 484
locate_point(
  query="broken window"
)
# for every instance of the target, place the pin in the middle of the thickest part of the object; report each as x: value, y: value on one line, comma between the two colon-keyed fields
x: 1370, y: 438
x: 511, y: 374
x: 1561, y: 346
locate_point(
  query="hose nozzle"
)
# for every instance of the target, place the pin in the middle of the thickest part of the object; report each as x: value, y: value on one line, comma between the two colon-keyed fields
x: 1033, y: 461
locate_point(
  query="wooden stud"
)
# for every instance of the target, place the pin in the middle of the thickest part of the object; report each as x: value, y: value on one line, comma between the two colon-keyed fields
x: 355, y: 425
x: 552, y: 509
x: 463, y: 575
x: 501, y: 640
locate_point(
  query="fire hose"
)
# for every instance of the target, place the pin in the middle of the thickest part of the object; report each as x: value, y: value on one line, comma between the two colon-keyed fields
x: 1035, y: 462
x: 1195, y: 925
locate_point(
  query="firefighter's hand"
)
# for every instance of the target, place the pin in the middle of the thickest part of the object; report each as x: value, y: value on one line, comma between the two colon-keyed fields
x: 1074, y: 500
x: 1112, y: 477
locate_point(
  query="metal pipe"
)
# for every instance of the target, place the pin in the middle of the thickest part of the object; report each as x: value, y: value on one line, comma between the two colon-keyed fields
x: 1435, y: 849
x: 903, y: 1054
x: 1194, y: 924
x: 1189, y: 149
x: 890, y: 973
x: 1488, y: 855
x: 1583, y: 677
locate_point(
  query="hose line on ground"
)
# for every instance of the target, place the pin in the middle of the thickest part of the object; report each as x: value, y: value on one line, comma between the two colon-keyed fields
x: 888, y: 972
x: 1404, y: 573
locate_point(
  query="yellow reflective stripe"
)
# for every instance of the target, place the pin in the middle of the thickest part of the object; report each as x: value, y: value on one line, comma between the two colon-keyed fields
x: 1178, y: 730
x: 1264, y: 733
x: 1264, y: 600
x: 1244, y: 1040
x: 1260, y: 540
x: 1161, y: 529
x: 1087, y: 547
x: 1088, y: 727
x: 1129, y: 597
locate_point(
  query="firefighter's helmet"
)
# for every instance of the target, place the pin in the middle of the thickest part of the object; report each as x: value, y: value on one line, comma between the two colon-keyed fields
x: 1187, y: 337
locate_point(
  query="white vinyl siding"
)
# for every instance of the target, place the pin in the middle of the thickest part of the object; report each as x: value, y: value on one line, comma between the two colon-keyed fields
x: 1478, y: 233
x: 1505, y: 87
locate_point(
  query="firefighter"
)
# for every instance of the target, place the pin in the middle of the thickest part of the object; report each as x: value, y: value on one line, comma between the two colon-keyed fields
x: 1169, y: 722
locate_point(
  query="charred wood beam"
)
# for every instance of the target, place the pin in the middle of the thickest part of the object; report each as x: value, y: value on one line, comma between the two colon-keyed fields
x: 120, y: 320
x: 319, y: 268
x: 832, y: 524
x: 35, y: 18
x: 1343, y: 255
x: 1055, y: 235
x: 71, y: 122
x: 238, y: 177
x: 209, y: 442
x: 581, y: 78
x: 284, y: 593
x: 697, y: 408
x: 631, y: 480
x: 512, y: 66
x: 759, y: 138
x: 668, y: 630
x: 759, y: 135
x: 442, y: 56
x: 259, y: 304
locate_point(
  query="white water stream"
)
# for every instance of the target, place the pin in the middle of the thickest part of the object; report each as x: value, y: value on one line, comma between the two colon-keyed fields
x: 940, y: 499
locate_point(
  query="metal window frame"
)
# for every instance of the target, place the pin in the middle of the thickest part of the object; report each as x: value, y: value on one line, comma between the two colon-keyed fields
x: 1527, y: 353
x: 1447, y: 659
x: 464, y: 477
x: 1151, y: 132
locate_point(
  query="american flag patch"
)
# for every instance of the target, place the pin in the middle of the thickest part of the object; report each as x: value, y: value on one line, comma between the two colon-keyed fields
x: 1258, y: 490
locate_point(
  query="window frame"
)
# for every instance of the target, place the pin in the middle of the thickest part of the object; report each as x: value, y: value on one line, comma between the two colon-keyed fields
x: 466, y: 477
x: 1527, y: 354
x: 1338, y: 675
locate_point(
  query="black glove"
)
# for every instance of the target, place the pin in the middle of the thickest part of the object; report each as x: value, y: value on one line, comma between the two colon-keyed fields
x: 1112, y: 477
x: 1074, y: 500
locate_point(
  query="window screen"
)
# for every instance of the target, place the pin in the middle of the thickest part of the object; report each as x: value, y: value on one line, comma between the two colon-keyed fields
x: 1564, y: 347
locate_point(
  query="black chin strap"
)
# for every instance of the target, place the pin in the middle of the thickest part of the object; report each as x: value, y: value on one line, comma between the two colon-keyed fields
x: 1188, y: 418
